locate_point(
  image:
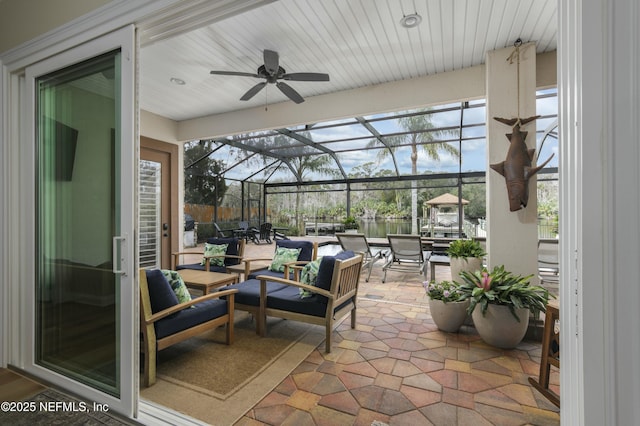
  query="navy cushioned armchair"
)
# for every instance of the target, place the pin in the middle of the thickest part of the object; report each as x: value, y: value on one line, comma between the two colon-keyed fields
x: 332, y: 298
x: 233, y: 256
x: 165, y: 322
x: 308, y: 252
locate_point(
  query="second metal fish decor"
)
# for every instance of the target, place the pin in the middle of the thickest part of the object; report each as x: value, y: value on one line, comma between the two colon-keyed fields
x: 517, y: 168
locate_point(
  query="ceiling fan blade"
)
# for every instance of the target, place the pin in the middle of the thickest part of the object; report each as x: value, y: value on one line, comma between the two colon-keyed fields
x: 252, y: 92
x: 241, y: 74
x: 271, y: 61
x: 306, y: 76
x: 290, y: 92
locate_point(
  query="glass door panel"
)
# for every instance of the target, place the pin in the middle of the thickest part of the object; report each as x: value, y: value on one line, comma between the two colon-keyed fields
x: 77, y: 217
x: 80, y: 330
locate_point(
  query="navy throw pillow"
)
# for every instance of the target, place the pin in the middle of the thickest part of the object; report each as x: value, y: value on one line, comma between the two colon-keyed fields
x: 306, y: 247
x: 161, y: 295
x: 232, y: 249
x: 325, y: 273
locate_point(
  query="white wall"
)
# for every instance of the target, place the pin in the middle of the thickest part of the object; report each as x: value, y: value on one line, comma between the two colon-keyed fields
x: 512, y: 236
x: 160, y: 128
x: 599, y: 82
x: 43, y: 16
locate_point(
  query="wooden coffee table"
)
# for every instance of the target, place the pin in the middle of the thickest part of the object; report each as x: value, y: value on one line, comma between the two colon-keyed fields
x: 205, y: 281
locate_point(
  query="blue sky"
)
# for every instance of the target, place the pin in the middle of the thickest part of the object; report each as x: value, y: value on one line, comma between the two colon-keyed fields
x: 473, y: 151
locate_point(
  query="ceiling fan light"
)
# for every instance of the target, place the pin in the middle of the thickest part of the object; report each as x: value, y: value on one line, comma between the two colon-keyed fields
x: 410, y: 21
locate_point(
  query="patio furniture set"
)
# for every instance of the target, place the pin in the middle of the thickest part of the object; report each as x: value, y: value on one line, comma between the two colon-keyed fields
x: 295, y: 285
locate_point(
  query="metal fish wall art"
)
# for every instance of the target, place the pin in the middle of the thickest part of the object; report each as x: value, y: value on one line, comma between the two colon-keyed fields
x: 517, y: 168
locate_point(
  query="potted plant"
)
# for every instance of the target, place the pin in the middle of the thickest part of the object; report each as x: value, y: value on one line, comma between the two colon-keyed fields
x: 447, y: 310
x: 500, y: 304
x: 465, y: 255
x: 350, y: 224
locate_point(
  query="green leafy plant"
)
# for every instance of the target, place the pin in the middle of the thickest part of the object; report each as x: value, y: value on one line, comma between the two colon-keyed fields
x: 446, y: 291
x: 501, y: 287
x: 350, y: 222
x: 465, y: 248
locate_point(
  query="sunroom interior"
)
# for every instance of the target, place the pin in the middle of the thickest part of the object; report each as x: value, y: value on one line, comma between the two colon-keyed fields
x: 380, y: 73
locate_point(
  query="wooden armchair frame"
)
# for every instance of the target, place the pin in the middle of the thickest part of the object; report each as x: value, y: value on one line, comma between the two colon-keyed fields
x: 247, y: 262
x: 175, y: 257
x: 550, y: 354
x: 344, y: 288
x: 147, y: 320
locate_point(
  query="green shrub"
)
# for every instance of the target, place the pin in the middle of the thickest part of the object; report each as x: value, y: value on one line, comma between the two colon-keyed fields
x: 465, y: 248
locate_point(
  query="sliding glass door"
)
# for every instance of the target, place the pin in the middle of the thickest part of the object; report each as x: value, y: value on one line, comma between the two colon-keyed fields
x: 83, y: 253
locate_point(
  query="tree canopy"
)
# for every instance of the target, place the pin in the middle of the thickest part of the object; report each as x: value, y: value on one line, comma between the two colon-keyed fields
x: 202, y: 174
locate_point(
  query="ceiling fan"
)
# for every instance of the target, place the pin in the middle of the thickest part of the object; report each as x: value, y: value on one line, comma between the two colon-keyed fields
x: 272, y: 72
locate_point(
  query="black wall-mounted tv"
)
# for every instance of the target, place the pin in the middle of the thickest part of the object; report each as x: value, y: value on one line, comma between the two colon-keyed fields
x: 64, y: 143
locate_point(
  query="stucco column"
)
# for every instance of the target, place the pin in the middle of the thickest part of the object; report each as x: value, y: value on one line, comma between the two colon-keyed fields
x: 512, y: 237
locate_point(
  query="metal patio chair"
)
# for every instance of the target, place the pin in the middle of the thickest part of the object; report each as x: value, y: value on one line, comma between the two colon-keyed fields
x: 406, y: 255
x: 548, y: 264
x: 359, y: 244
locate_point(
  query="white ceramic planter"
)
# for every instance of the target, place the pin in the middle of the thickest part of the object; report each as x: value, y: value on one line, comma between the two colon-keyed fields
x: 499, y: 328
x: 459, y: 264
x: 448, y: 316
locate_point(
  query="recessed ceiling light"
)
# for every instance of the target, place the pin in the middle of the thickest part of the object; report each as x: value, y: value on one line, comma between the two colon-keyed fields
x: 178, y: 81
x: 410, y: 21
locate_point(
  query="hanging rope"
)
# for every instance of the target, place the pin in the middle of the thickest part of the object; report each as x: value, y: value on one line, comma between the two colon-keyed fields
x: 516, y: 54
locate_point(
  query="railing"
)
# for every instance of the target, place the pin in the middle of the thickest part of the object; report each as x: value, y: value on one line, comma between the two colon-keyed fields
x: 546, y: 230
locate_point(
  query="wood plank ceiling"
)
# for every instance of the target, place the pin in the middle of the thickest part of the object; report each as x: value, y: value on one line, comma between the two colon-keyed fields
x: 357, y: 42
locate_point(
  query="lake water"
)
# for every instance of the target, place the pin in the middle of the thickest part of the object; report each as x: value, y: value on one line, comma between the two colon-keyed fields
x: 380, y: 228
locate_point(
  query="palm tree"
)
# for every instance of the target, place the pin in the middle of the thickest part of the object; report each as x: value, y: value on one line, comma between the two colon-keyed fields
x: 305, y: 164
x: 420, y: 132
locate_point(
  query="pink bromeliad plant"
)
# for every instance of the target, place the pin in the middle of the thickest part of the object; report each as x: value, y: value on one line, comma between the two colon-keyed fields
x: 486, y: 281
x: 502, y: 287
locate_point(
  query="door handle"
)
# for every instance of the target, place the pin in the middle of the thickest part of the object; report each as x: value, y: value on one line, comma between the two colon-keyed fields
x: 119, y: 256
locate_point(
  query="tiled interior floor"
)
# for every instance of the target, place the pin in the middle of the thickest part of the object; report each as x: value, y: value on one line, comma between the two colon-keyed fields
x: 396, y: 368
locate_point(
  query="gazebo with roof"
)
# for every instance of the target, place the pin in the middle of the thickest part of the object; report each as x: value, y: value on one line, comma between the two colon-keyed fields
x: 445, y: 200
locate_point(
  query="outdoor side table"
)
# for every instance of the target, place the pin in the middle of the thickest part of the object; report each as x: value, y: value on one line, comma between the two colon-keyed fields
x: 437, y: 260
x: 205, y: 281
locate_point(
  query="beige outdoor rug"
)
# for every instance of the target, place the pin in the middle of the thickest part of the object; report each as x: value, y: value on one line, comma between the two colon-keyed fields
x: 215, y: 383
